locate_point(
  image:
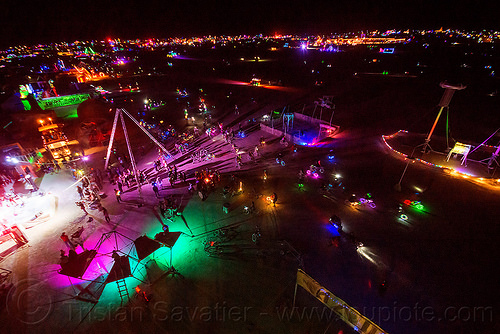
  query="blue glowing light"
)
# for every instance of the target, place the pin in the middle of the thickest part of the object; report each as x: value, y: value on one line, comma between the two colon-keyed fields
x: 386, y: 50
x: 332, y: 230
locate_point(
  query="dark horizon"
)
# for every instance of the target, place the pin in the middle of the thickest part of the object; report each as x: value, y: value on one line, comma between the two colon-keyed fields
x: 65, y: 21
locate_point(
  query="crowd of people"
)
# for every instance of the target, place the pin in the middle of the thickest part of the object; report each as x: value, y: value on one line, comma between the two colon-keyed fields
x: 6, y: 180
x: 205, y: 181
x: 169, y: 208
x: 89, y: 189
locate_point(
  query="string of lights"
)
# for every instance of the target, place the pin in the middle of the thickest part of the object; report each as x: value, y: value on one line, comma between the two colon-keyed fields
x: 451, y: 171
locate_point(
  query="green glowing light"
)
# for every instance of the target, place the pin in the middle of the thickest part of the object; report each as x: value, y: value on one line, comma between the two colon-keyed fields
x: 89, y: 50
x: 26, y: 104
x: 62, y: 101
x: 419, y: 207
x: 72, y: 115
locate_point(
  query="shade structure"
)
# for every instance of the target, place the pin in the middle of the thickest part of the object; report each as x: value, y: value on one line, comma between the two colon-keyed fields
x: 77, y: 266
x: 168, y: 238
x: 120, y: 269
x: 144, y: 246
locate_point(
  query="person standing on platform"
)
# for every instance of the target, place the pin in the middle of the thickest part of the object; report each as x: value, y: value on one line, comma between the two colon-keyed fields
x: 63, y: 258
x: 81, y: 205
x: 76, y: 238
x: 80, y: 191
x: 68, y: 243
x: 72, y: 255
x: 118, y: 195
x: 106, y: 214
x: 274, y: 199
x: 155, y: 189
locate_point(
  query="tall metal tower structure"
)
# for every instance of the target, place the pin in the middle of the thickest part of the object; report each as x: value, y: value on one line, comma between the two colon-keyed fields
x: 444, y: 103
x: 119, y: 115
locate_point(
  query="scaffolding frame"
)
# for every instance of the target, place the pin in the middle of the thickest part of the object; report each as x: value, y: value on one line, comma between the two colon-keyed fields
x: 119, y: 115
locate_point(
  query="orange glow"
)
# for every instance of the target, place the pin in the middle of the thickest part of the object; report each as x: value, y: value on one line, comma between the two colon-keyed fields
x: 84, y: 75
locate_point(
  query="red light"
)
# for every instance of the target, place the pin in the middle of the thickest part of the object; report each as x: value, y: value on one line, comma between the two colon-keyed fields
x: 407, y: 202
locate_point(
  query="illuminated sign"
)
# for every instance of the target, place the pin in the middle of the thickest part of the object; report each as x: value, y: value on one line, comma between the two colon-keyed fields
x: 386, y: 50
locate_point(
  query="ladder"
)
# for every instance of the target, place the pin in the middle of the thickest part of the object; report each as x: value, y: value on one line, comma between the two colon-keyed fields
x: 122, y: 290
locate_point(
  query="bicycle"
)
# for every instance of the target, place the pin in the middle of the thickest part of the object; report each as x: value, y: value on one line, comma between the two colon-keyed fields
x: 280, y: 161
x: 220, y: 234
x: 352, y: 201
x: 367, y: 202
x: 211, y: 247
x: 256, y: 235
x: 315, y: 169
x: 249, y: 209
x: 254, y: 194
x: 284, y: 142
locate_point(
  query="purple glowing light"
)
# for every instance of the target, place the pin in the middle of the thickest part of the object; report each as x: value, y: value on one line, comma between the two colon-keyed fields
x: 120, y: 61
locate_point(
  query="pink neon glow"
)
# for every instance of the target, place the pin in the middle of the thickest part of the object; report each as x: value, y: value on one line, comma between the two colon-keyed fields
x: 232, y: 82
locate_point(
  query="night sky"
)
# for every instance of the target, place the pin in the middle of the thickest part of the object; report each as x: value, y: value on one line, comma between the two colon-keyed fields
x: 52, y: 21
